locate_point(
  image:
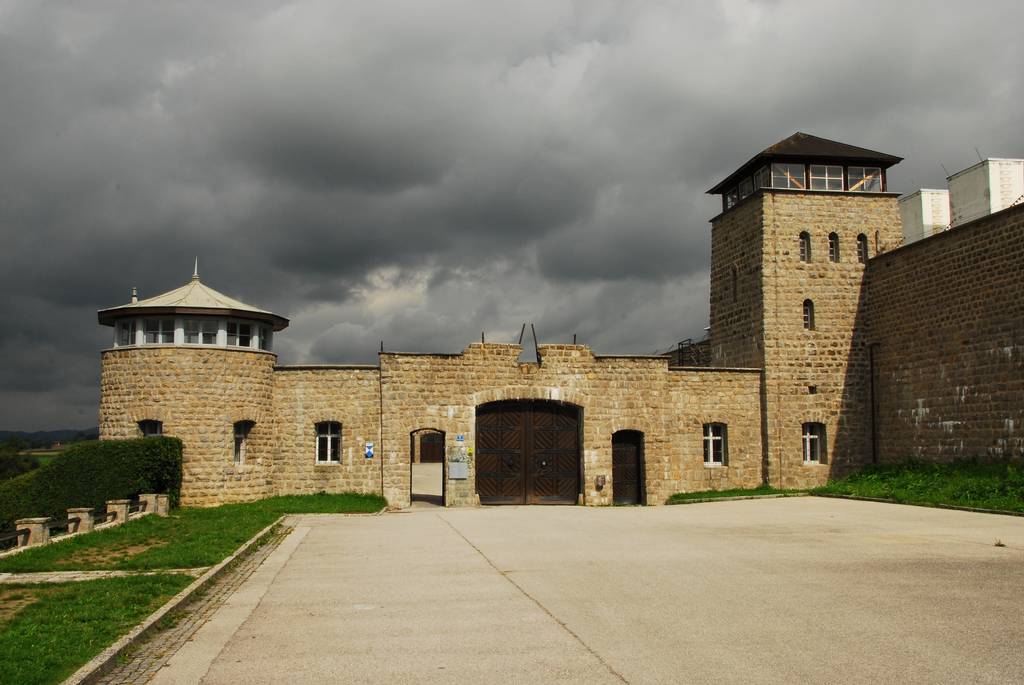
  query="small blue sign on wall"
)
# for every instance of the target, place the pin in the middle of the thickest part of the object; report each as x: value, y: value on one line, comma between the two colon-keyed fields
x: 460, y: 438
x: 369, y: 450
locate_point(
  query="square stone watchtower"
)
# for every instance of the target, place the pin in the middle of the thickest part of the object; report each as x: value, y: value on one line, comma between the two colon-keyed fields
x: 799, y: 222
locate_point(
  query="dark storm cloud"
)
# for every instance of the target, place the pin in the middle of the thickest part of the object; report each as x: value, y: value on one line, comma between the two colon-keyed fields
x: 420, y: 172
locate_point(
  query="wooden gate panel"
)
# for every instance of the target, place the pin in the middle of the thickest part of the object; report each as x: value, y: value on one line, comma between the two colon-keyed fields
x: 627, y: 467
x: 527, y: 452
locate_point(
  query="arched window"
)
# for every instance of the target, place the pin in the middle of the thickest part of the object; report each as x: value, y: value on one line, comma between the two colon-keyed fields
x: 241, y: 431
x: 328, y: 442
x: 151, y: 428
x: 808, y: 315
x: 805, y: 247
x: 862, y: 249
x: 735, y: 284
x: 833, y: 247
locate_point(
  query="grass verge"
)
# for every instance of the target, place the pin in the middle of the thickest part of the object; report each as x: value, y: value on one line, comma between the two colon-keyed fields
x: 188, y: 538
x: 683, y: 497
x: 969, y: 483
x: 60, y: 627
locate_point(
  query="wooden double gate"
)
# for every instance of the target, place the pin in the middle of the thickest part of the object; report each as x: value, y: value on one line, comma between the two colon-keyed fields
x: 527, y: 452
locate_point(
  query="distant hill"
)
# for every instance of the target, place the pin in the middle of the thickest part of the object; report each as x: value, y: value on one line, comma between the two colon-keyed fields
x: 47, y: 438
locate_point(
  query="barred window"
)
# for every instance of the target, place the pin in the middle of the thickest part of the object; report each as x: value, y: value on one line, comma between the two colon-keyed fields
x: 805, y: 247
x: 159, y: 331
x: 862, y: 249
x: 833, y: 247
x: 808, y: 315
x: 200, y: 331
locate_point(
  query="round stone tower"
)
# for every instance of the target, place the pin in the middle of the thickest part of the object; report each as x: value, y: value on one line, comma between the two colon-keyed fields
x: 198, y: 365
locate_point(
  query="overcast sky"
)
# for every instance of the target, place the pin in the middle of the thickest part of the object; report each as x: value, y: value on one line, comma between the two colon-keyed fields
x: 420, y: 171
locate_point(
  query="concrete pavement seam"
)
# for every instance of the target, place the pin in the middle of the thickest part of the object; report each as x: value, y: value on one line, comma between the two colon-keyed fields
x: 536, y: 601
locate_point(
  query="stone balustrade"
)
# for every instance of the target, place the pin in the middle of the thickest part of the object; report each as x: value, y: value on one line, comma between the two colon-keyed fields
x: 35, y: 531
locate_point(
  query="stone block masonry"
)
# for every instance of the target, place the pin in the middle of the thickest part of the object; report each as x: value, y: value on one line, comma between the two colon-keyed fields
x: 946, y: 328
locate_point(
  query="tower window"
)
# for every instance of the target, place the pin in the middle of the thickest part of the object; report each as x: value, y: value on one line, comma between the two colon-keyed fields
x: 762, y: 178
x: 865, y: 179
x: 159, y: 331
x: 826, y: 177
x: 200, y: 332
x: 239, y: 334
x: 808, y: 315
x: 715, y: 451
x: 126, y: 333
x: 241, y: 431
x: 805, y: 247
x: 862, y: 249
x: 151, y: 428
x: 814, y: 443
x: 328, y: 442
x: 788, y: 176
x: 833, y: 247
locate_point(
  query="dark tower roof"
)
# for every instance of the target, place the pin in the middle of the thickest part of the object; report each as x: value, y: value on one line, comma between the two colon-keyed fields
x: 807, y: 148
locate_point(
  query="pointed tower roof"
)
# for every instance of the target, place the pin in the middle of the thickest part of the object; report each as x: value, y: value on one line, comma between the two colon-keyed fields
x: 812, y: 149
x: 192, y: 298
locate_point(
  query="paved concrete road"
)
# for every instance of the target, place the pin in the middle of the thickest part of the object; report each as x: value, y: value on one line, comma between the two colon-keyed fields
x: 784, y: 590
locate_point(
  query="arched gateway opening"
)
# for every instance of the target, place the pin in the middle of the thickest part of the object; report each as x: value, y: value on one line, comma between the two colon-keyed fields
x: 528, y: 452
x: 426, y: 464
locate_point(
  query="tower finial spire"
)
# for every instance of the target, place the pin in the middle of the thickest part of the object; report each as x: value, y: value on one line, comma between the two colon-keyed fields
x: 195, y: 271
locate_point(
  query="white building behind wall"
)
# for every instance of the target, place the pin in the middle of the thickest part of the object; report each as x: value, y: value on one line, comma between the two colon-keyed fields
x: 985, y: 188
x: 924, y: 213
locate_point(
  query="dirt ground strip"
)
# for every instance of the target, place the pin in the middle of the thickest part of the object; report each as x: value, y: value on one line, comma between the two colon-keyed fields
x: 148, y: 656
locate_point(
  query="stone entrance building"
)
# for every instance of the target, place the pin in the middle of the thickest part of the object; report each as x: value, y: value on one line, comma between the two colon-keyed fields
x: 800, y: 386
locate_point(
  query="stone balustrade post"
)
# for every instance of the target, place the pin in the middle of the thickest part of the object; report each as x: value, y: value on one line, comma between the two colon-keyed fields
x: 149, y: 500
x: 38, y: 531
x: 85, y: 519
x: 163, y: 505
x: 120, y: 509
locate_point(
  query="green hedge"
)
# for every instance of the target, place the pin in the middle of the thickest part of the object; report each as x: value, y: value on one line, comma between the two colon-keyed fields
x: 90, y: 473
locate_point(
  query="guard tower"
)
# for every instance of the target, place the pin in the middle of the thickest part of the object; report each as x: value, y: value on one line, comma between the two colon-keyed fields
x: 799, y: 222
x: 196, y: 364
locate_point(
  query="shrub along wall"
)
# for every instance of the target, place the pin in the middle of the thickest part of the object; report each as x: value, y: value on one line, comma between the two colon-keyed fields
x: 90, y: 473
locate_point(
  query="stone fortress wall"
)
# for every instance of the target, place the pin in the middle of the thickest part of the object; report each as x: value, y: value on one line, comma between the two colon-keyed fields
x: 946, y: 328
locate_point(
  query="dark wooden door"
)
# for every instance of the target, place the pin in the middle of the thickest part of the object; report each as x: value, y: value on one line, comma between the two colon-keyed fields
x: 527, y: 452
x: 431, y: 448
x: 627, y: 467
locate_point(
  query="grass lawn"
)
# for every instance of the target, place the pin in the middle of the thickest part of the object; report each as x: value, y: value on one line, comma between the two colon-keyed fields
x: 683, y: 497
x: 989, y: 485
x: 188, y: 538
x: 49, y: 631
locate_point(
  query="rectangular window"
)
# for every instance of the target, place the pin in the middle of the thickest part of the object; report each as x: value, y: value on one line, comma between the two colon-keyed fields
x: 242, y: 429
x: 200, y: 331
x: 151, y: 428
x: 159, y: 331
x: 788, y: 176
x: 265, y: 338
x: 762, y: 178
x: 714, y: 444
x: 328, y: 442
x: 239, y: 334
x: 731, y: 198
x: 826, y: 177
x: 865, y: 179
x: 746, y: 187
x: 126, y: 333
x: 814, y: 443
